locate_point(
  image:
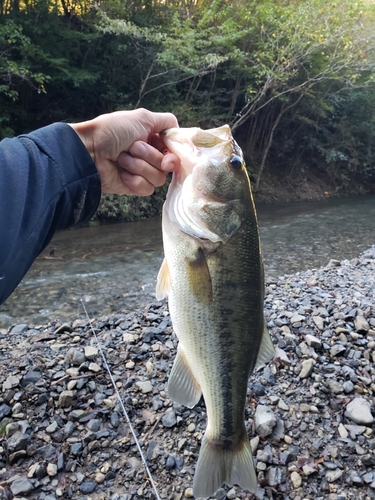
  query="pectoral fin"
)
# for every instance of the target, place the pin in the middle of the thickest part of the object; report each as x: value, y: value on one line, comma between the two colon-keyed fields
x: 199, y: 277
x: 163, y: 284
x: 182, y: 386
x: 266, y: 350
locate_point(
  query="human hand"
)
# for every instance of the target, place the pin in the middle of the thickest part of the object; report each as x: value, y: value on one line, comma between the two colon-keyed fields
x: 127, y: 151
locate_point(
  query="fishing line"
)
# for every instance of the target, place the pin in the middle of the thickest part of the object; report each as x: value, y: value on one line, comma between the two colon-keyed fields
x: 122, y: 405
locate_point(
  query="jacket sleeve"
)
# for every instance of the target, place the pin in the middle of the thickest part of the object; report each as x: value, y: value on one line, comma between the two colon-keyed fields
x: 48, y: 182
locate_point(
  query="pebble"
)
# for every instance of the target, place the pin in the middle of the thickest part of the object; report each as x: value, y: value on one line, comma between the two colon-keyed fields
x: 169, y: 419
x: 296, y: 480
x: 144, y: 387
x: 317, y: 443
x: 66, y: 399
x: 359, y: 411
x: 51, y: 469
x: 307, y: 368
x: 265, y: 420
x: 21, y: 486
x: 91, y: 352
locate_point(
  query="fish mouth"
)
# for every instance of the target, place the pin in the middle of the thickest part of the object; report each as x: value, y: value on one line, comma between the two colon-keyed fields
x: 194, y: 147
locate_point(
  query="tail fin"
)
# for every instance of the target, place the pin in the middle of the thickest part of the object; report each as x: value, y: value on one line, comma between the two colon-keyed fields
x: 217, y: 465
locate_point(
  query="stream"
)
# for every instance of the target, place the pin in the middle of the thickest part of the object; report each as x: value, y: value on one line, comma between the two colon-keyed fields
x: 113, y: 268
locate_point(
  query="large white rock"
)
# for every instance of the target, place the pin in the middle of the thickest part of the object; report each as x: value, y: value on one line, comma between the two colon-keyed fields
x: 265, y: 420
x: 359, y: 411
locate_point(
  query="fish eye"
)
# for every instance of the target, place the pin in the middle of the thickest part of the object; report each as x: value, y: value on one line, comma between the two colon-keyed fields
x: 235, y: 162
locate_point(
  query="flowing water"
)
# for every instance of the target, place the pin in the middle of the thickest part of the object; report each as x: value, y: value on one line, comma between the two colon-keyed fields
x: 114, y: 268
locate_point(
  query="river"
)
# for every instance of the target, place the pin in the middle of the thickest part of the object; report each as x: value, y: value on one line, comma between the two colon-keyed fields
x: 114, y: 268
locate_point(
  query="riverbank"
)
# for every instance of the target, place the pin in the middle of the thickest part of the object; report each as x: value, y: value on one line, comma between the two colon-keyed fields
x: 67, y: 438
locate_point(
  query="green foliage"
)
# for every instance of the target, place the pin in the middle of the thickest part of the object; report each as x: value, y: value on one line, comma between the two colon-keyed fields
x: 295, y: 80
x: 115, y: 208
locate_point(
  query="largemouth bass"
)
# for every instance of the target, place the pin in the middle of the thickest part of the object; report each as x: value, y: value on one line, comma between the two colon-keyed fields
x: 213, y: 276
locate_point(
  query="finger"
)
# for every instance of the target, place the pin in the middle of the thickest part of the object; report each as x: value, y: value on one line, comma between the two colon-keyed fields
x: 148, y: 153
x: 162, y: 121
x: 140, y: 167
x: 170, y: 163
x: 136, y: 185
x: 155, y: 141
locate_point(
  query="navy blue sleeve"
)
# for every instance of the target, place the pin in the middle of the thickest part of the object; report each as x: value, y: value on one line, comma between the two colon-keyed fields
x: 48, y: 182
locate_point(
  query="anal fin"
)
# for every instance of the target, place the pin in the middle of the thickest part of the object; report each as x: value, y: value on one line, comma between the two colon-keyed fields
x: 183, y: 389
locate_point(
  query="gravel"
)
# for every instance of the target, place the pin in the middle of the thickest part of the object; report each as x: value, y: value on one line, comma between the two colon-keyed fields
x: 309, y: 414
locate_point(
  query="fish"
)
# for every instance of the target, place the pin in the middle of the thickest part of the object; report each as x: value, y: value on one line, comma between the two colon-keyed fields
x: 212, y: 274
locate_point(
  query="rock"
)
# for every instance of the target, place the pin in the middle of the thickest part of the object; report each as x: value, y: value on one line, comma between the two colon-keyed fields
x: 5, y: 411
x: 69, y: 429
x: 144, y: 387
x: 21, y: 486
x: 337, y: 349
x: 31, y: 377
x: 94, y: 367
x: 342, y: 431
x: 333, y: 475
x: 52, y: 427
x: 66, y: 399
x: 359, y: 411
x: 93, y: 425
x: 335, y: 386
x: 169, y: 419
x: 99, y: 477
x: 18, y: 441
x: 297, y: 318
x: 313, y: 341
x: 319, y: 322
x: 10, y: 382
x: 74, y: 357
x: 188, y: 493
x: 265, y: 420
x: 348, y: 387
x: 87, y: 487
x: 220, y: 494
x: 73, y: 371
x: 307, y: 368
x: 170, y: 463
x: 91, y: 352
x: 231, y: 495
x: 361, y: 324
x: 22, y: 328
x: 274, y: 476
x: 128, y: 338
x: 296, y: 480
x: 51, y: 469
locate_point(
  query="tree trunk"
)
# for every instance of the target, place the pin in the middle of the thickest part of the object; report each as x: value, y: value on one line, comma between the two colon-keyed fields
x: 270, y: 139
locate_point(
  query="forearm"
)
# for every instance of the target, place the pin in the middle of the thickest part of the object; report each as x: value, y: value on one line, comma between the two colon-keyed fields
x: 48, y: 182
